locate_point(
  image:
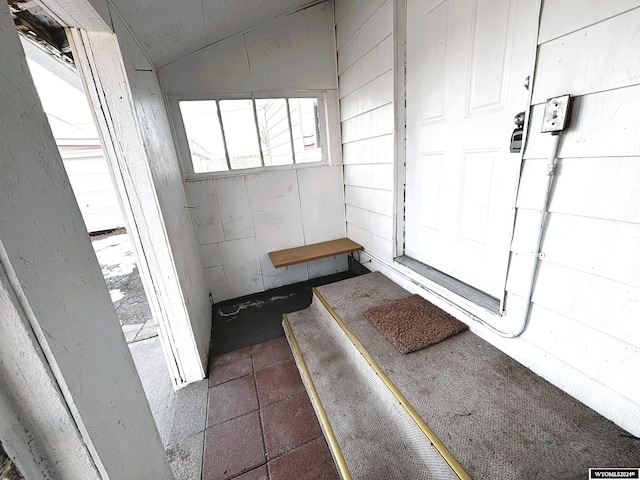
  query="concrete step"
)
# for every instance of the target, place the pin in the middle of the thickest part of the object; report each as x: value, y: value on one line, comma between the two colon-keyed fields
x: 497, y: 418
x: 372, y: 431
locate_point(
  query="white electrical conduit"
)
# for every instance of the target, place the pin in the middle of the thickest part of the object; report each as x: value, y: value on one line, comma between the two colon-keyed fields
x: 550, y: 172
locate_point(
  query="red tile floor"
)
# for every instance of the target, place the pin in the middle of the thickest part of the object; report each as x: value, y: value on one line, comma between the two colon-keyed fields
x: 260, y: 422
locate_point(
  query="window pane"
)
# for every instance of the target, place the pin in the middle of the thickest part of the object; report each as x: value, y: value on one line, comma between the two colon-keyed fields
x: 275, y: 137
x: 204, y: 136
x: 240, y: 133
x: 304, y: 125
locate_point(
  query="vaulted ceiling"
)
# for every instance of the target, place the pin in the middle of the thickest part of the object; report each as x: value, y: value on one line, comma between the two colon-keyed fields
x: 171, y: 29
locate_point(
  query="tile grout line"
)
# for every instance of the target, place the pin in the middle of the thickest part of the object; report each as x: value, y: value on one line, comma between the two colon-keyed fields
x: 206, y: 433
x: 260, y: 409
x: 264, y: 441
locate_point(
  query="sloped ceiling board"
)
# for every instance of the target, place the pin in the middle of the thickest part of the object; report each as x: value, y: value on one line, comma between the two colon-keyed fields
x: 168, y: 30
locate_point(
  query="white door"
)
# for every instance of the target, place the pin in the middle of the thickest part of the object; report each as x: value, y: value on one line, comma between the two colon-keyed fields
x: 467, y: 63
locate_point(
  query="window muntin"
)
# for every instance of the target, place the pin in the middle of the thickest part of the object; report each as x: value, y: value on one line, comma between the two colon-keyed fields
x: 304, y: 125
x: 275, y: 134
x: 204, y: 136
x: 239, y: 134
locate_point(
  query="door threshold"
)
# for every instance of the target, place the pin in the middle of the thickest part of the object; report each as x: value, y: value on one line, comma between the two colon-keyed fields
x: 454, y: 285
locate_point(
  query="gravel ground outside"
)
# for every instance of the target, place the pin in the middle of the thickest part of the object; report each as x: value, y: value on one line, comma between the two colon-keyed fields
x: 118, y: 264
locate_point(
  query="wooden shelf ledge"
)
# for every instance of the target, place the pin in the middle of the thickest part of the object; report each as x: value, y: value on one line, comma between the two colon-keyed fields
x: 293, y: 256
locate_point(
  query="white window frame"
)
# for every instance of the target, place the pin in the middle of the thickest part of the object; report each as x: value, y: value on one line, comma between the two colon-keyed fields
x: 329, y: 154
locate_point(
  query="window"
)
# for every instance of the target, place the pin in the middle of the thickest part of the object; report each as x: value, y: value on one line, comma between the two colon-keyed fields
x: 237, y: 134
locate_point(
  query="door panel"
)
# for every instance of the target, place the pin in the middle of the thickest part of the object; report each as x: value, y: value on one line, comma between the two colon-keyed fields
x: 467, y: 61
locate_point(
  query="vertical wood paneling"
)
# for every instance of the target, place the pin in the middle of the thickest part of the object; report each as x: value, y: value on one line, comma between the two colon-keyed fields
x: 206, y: 214
x: 217, y: 283
x: 242, y: 267
x: 222, y: 67
x: 211, y: 255
x: 274, y: 210
x: 319, y: 204
x: 277, y: 215
x: 327, y: 266
x: 294, y: 50
x: 290, y: 52
x: 233, y: 203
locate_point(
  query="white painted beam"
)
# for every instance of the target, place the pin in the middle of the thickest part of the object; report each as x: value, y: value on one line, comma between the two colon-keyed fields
x: 41, y: 436
x: 53, y: 271
x: 140, y: 169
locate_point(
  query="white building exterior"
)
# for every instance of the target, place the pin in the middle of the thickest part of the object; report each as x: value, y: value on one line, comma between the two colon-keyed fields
x: 71, y: 121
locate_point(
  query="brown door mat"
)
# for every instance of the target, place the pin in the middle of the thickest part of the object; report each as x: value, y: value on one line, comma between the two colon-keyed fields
x: 412, y: 323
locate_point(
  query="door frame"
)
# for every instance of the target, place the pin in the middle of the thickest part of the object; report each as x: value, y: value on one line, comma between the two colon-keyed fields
x: 90, y: 35
x: 400, y: 121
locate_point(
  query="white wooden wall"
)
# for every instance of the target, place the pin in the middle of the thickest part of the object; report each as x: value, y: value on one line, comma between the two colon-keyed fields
x: 65, y: 103
x: 241, y: 217
x: 166, y: 173
x: 584, y: 328
x: 585, y: 313
x: 366, y: 81
x: 50, y: 277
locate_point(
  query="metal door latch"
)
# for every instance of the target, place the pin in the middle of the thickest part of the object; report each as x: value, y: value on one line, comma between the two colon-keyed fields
x: 515, y: 145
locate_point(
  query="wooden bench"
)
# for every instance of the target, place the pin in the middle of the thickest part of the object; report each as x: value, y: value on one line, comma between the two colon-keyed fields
x: 316, y: 251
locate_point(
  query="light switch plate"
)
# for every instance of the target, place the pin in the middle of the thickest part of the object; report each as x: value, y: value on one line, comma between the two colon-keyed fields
x: 556, y: 114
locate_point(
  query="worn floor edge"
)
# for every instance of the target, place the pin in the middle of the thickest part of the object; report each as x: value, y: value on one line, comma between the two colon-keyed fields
x: 334, y: 447
x: 429, y: 434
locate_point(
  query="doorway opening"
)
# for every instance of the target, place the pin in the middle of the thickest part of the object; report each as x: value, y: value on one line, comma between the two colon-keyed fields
x: 65, y: 103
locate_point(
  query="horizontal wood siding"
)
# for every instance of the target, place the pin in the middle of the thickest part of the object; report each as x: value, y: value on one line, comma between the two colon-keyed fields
x: 366, y: 89
x: 583, y: 331
x: 586, y: 300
